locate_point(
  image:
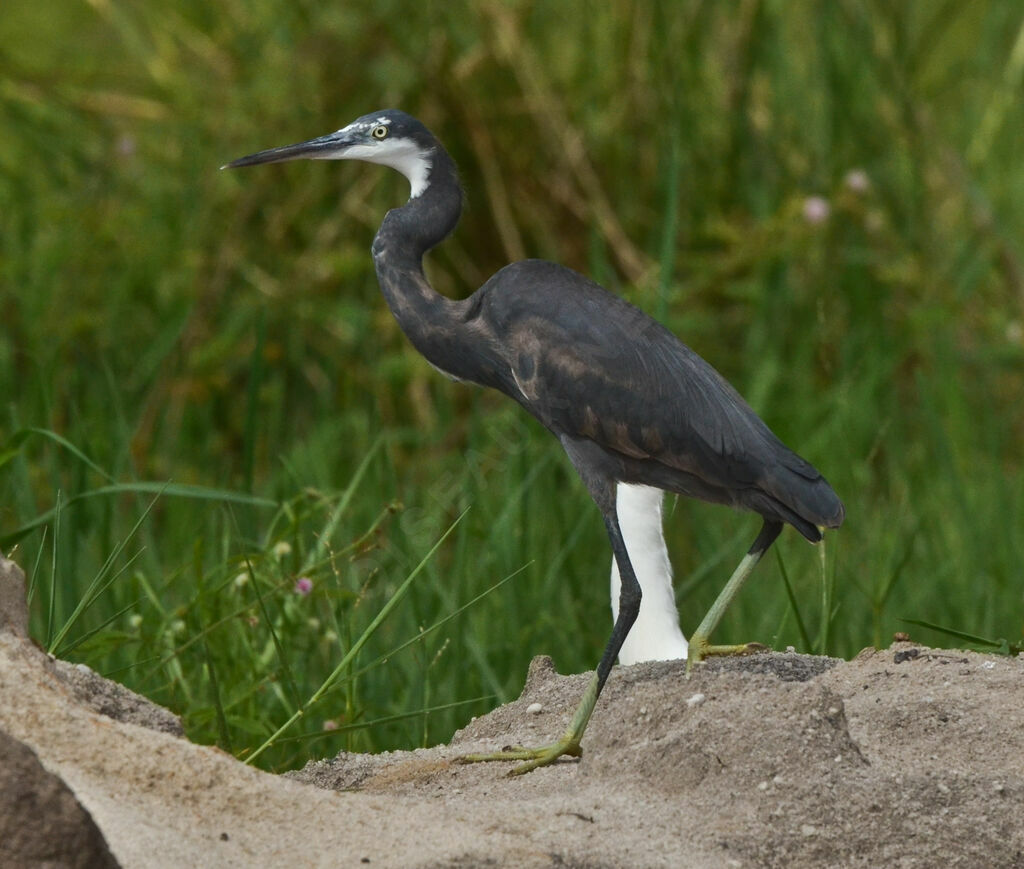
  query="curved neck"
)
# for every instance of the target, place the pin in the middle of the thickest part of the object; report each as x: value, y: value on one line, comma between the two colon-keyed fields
x: 425, y: 220
x: 428, y: 319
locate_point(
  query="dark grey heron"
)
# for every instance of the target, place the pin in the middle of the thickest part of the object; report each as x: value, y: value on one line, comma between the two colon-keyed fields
x: 629, y: 402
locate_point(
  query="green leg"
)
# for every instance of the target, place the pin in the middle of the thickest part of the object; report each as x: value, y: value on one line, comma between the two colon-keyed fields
x: 700, y: 645
x: 629, y: 606
x: 568, y: 745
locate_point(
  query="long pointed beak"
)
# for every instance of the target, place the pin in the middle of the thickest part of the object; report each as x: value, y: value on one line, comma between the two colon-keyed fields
x: 326, y: 147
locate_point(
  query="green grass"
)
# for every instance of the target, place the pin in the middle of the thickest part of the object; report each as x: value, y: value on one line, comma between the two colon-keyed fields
x: 204, y: 398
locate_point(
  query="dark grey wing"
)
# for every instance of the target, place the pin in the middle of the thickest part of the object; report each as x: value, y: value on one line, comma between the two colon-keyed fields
x: 588, y: 364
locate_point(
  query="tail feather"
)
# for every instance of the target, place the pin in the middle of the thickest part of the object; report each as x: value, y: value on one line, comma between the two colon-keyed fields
x: 796, y: 493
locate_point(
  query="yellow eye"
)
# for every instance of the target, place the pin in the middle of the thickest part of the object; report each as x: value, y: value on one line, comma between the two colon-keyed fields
x: 379, y: 132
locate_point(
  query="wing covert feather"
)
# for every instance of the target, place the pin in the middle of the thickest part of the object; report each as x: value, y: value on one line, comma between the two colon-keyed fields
x: 590, y: 364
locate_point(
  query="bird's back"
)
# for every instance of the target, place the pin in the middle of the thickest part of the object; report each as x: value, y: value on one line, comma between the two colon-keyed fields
x: 590, y: 365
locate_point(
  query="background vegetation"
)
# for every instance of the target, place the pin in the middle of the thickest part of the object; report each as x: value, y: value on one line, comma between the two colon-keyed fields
x: 219, y: 458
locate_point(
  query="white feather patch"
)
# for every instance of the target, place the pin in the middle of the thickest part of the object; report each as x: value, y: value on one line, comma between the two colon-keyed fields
x: 656, y: 635
x: 400, y: 154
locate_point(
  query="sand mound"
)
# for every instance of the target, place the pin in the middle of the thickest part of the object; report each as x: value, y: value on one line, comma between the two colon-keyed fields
x: 909, y: 757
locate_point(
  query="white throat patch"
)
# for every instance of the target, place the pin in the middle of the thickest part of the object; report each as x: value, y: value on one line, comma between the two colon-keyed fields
x: 400, y: 154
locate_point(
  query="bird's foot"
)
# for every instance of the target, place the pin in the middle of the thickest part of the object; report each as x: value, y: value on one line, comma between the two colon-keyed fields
x: 700, y: 649
x: 567, y: 746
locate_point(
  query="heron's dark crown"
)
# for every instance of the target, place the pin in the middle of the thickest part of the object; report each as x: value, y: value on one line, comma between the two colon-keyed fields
x: 400, y: 126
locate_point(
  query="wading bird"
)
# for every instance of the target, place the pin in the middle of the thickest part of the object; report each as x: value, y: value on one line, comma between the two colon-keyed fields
x: 629, y: 402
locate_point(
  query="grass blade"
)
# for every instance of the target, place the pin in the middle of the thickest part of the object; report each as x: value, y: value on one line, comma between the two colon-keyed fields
x: 96, y: 587
x: 319, y: 550
x: 1004, y: 647
x: 388, y: 719
x: 805, y: 638
x: 169, y: 490
x: 427, y: 631
x: 350, y: 656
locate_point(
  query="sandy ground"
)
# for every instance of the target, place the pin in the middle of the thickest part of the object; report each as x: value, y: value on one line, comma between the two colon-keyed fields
x: 907, y: 757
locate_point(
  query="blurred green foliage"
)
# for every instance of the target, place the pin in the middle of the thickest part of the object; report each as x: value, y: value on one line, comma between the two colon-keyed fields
x: 825, y: 200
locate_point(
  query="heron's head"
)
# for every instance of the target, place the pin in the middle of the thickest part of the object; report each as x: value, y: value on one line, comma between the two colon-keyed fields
x: 390, y: 137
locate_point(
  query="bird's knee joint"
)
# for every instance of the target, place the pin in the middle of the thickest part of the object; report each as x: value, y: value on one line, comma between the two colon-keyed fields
x: 629, y: 601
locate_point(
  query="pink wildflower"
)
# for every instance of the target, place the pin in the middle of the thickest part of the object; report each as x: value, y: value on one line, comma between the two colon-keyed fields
x: 816, y: 210
x: 857, y: 181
